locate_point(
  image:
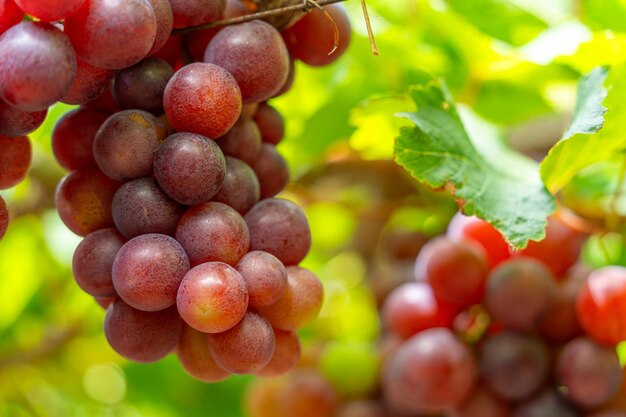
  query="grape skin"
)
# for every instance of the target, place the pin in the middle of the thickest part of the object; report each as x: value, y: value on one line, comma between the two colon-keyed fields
x: 548, y: 403
x: 270, y: 123
x: 240, y: 189
x: 142, y: 85
x: 212, y: 297
x: 481, y: 403
x: 271, y: 170
x: 165, y: 23
x: 266, y: 278
x: 50, y: 59
x: 89, y: 83
x: 50, y: 10
x: 307, y: 394
x: 92, y: 264
x: 141, y: 336
x: 14, y: 122
x: 4, y: 217
x: 196, y: 12
x: 14, y: 160
x: 10, y: 15
x: 286, y: 354
x: 243, y: 141
x: 196, y: 358
x: 73, y: 136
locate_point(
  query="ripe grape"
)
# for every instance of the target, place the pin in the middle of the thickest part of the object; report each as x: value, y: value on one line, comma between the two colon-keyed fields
x: 112, y: 34
x: 73, y: 136
x: 312, y: 38
x: 196, y: 358
x: 299, y: 304
x: 513, y: 365
x: 50, y: 10
x: 204, y: 99
x: 363, y: 408
x: 265, y: 276
x: 212, y: 297
x: 14, y: 122
x: 92, y: 263
x: 141, y: 336
x: 281, y: 228
x: 286, y: 354
x: 601, y: 305
x: 88, y: 84
x: 456, y: 271
x: 83, y: 199
x: 190, y: 168
x: 240, y: 189
x: 10, y: 15
x: 245, y: 348
x: 412, y: 307
x: 142, y: 85
x: 243, y: 141
x: 519, y: 293
x: 290, y: 79
x: 591, y: 373
x: 4, y: 217
x: 35, y: 76
x: 105, y: 101
x: 270, y: 123
x: 125, y: 144
x: 196, y: 12
x: 433, y: 370
x: 481, y: 403
x: 14, y: 160
x: 262, y: 398
x: 148, y: 270
x: 547, y: 404
x: 308, y: 394
x: 172, y: 52
x: 213, y: 232
x: 165, y: 23
x: 472, y: 228
x: 271, y: 169
x: 255, y: 54
x: 141, y: 207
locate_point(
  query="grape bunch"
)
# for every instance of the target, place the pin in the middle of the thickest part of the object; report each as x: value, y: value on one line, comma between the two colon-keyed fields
x: 173, y: 170
x: 486, y: 331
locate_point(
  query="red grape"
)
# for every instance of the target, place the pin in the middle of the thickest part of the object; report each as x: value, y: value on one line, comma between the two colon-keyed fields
x: 50, y: 10
x: 290, y: 79
x: 10, y: 15
x: 196, y: 358
x: 196, y: 12
x: 112, y: 34
x: 266, y: 278
x: 270, y: 123
x: 271, y: 169
x: 4, y: 217
x: 286, y: 354
x: 548, y: 403
x: 243, y: 141
x: 142, y: 85
x: 240, y: 189
x: 88, y: 84
x: 212, y: 297
x: 35, y: 76
x: 14, y: 160
x: 308, y: 394
x: 202, y: 98
x: 105, y: 101
x: 481, y: 403
x: 14, y: 122
x: 165, y: 22
x: 73, y: 136
x: 363, y: 408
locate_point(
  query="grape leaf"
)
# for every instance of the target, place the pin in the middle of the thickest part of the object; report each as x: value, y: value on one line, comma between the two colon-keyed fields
x: 489, y: 180
x: 591, y: 137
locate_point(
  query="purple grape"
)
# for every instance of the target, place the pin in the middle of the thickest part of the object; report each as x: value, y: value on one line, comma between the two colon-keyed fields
x: 271, y: 169
x: 14, y: 122
x: 240, y: 188
x: 243, y: 141
x: 547, y: 404
x: 142, y: 85
x: 266, y: 278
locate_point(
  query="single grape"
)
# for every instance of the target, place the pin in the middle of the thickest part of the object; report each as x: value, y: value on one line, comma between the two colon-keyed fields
x: 37, y: 66
x: 92, y: 263
x: 88, y: 84
x: 312, y: 38
x: 204, y: 99
x: 10, y: 15
x: 286, y: 354
x: 433, y: 370
x: 14, y: 122
x: 271, y: 169
x: 270, y: 123
x: 212, y: 297
x: 547, y: 404
x: 83, y: 199
x: 142, y: 85
x: 73, y: 136
x: 165, y: 23
x: 172, y: 52
x: 308, y: 394
x: 190, y: 168
x: 412, y: 308
x: 470, y: 228
x: 243, y: 141
x: 196, y: 358
x: 125, y: 145
x: 299, y: 304
x: 266, y: 278
x: 4, y: 217
x: 456, y: 271
x: 289, y: 83
x: 481, y: 403
x: 514, y: 366
x: 50, y: 10
x: 14, y: 160
x: 112, y: 34
x: 520, y: 292
x: 281, y: 228
x: 147, y: 271
x: 141, y: 336
x: 591, y: 373
x: 196, y: 12
x: 249, y: 109
x: 240, y: 189
x: 362, y: 408
x: 601, y: 305
x: 246, y: 348
x: 255, y: 54
x: 212, y: 232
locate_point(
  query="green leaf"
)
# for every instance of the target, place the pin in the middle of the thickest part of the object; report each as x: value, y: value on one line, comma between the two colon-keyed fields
x: 490, y: 181
x: 589, y: 138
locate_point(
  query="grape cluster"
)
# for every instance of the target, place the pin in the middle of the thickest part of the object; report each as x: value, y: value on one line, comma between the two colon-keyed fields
x: 173, y: 170
x: 486, y: 331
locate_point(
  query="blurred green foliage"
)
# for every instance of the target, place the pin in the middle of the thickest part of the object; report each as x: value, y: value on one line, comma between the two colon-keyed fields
x: 514, y: 62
